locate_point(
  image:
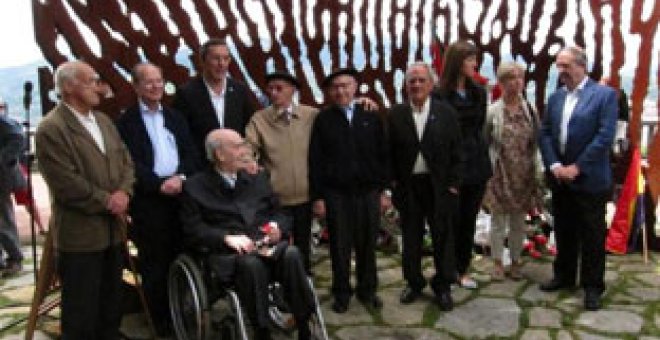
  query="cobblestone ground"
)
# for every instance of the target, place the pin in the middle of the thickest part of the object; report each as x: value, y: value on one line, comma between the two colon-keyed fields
x: 508, y: 309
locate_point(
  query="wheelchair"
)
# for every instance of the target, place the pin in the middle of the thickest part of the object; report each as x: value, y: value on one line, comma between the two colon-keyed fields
x: 203, y: 308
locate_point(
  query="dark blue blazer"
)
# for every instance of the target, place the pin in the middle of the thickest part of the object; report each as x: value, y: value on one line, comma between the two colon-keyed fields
x: 590, y: 133
x: 134, y: 133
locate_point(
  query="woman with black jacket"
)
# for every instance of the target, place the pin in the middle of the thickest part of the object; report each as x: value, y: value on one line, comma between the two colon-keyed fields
x: 470, y: 101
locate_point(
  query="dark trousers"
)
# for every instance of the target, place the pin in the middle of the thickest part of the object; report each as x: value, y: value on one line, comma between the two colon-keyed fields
x: 156, y: 232
x: 580, y: 230
x: 419, y: 204
x: 353, y: 221
x: 9, y: 241
x: 251, y: 278
x: 301, y: 215
x: 154, y: 259
x: 91, y: 294
x: 469, y: 202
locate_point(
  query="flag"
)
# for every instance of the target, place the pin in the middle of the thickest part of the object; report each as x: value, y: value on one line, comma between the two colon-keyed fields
x: 629, y: 199
x: 639, y: 216
x: 438, y: 54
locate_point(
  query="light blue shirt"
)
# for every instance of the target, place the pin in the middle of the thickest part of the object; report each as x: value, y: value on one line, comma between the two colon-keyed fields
x: 348, y: 111
x: 163, y: 142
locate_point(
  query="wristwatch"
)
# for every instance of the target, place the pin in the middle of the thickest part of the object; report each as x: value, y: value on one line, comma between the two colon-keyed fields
x: 183, y: 177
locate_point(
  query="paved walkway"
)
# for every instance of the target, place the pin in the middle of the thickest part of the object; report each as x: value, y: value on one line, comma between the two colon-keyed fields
x: 508, y: 309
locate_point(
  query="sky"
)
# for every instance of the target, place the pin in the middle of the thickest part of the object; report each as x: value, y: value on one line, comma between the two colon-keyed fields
x: 18, y: 33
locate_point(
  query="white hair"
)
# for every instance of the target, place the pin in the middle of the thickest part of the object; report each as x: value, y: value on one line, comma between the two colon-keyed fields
x: 578, y: 54
x: 429, y: 69
x: 64, y: 73
x: 211, y: 144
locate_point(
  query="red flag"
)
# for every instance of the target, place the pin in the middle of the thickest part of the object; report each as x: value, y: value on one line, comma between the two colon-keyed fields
x: 438, y: 54
x: 617, y: 237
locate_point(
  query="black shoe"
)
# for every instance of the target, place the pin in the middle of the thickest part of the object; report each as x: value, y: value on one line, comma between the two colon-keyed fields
x: 340, y: 307
x: 554, y: 285
x: 373, y: 302
x: 591, y: 300
x: 303, y: 331
x: 408, y: 295
x: 444, y: 301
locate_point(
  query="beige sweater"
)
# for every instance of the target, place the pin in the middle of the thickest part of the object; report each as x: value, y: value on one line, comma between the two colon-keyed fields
x: 282, y: 148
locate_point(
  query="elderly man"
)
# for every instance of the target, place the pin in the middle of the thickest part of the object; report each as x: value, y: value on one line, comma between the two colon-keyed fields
x: 425, y: 151
x: 576, y: 135
x: 348, y: 169
x: 161, y: 148
x: 280, y: 135
x: 90, y: 176
x: 12, y: 144
x: 214, y: 100
x: 234, y: 215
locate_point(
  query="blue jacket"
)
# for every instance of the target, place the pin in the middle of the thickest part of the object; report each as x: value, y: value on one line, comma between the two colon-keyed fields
x: 590, y: 133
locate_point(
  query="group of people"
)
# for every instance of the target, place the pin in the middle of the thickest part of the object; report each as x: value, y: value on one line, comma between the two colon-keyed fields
x: 184, y: 177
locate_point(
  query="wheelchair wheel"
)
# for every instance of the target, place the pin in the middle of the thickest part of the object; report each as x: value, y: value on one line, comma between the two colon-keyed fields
x: 316, y: 321
x: 317, y: 327
x: 189, y: 304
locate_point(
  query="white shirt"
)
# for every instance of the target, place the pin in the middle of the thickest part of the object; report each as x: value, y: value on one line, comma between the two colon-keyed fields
x: 218, y: 101
x: 287, y: 113
x: 229, y: 178
x: 163, y: 142
x: 572, y: 98
x: 91, y: 125
x: 348, y: 111
x: 420, y: 116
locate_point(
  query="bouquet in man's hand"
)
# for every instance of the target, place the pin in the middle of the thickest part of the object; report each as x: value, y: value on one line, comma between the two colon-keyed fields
x: 265, y: 246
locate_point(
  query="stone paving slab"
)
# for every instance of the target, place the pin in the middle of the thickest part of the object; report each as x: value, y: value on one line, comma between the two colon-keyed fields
x: 564, y: 335
x: 645, y: 294
x: 536, y: 334
x: 482, y: 317
x: 590, y: 336
x: 638, y: 309
x: 611, y: 321
x: 506, y: 288
x: 22, y: 294
x: 387, y: 333
x: 396, y: 314
x: 651, y: 279
x: 544, y: 317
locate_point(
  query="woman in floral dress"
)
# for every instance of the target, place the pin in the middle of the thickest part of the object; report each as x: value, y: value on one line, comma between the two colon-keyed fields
x: 511, y: 131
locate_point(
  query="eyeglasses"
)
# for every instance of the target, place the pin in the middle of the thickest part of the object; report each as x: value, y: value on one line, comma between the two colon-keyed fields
x: 150, y: 84
x: 91, y: 81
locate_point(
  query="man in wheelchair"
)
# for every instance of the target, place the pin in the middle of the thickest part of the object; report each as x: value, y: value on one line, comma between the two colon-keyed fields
x: 234, y: 215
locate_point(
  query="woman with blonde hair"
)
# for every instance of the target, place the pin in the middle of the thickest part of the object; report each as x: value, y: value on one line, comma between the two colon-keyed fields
x: 511, y: 131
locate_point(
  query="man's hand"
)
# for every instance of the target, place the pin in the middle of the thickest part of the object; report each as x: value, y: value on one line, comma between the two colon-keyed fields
x: 118, y: 203
x: 241, y: 243
x: 172, y: 186
x: 566, y: 174
x: 318, y: 208
x: 453, y: 190
x: 571, y: 172
x: 368, y: 103
x: 558, y: 172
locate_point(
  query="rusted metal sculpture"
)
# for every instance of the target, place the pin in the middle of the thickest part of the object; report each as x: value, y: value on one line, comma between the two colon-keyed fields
x: 380, y: 37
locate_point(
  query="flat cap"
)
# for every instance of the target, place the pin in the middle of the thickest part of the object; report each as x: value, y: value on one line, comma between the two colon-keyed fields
x: 348, y: 71
x: 283, y: 75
